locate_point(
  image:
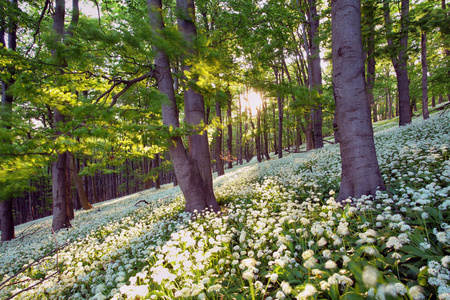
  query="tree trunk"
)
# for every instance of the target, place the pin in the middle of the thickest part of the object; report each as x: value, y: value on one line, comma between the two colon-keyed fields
x: 371, y: 77
x: 424, y: 76
x: 218, y: 144
x: 399, y: 61
x: 309, y: 132
x: 239, y: 140
x: 157, y: 176
x: 70, y: 207
x: 194, y: 106
x: 316, y: 73
x: 298, y: 139
x: 190, y: 170
x: 6, y: 220
x: 280, y: 114
x: 255, y: 134
x: 275, y: 146
x: 60, y: 190
x: 308, y: 118
x: 360, y: 172
x: 369, y: 22
x: 6, y: 207
x: 230, y: 131
x: 445, y: 31
x: 388, y: 98
x: 265, y: 131
x: 246, y: 145
x: 78, y: 183
x: 60, y: 185
x: 336, y: 129
x: 259, y: 151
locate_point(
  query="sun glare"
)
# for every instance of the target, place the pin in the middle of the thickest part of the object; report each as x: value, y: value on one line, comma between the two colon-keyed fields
x: 253, y: 100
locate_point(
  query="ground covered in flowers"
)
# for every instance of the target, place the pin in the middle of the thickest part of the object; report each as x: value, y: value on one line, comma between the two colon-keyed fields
x: 280, y: 235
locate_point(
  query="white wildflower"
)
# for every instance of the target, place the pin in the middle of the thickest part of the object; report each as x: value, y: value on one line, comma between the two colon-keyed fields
x: 307, y: 254
x: 309, y: 291
x: 370, y: 276
x: 416, y: 292
x: 330, y: 265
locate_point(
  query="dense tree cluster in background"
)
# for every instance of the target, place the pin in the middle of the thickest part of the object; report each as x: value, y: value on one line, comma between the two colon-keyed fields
x: 105, y: 98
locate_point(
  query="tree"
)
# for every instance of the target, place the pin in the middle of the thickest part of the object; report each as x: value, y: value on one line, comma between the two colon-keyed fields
x: 190, y: 169
x: 6, y: 210
x: 423, y: 43
x: 360, y: 171
x: 316, y: 72
x: 369, y: 11
x: 60, y: 172
x: 399, y: 58
x: 229, y: 129
x: 218, y: 139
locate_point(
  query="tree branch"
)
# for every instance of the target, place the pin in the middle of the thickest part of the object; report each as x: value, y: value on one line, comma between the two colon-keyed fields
x: 128, y: 85
x: 38, y: 26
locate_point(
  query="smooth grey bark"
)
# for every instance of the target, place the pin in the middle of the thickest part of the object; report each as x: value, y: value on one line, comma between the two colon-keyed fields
x: 423, y: 44
x: 255, y: 134
x: 194, y: 105
x: 78, y: 182
x: 60, y: 183
x: 445, y: 31
x: 218, y: 142
x: 369, y: 20
x: 265, y: 130
x: 280, y: 101
x: 360, y: 171
x: 239, y: 139
x: 316, y: 72
x: 6, y: 205
x: 259, y: 151
x: 230, y: 130
x: 156, y: 165
x: 400, y: 60
x: 309, y: 133
x: 70, y: 208
x: 198, y: 195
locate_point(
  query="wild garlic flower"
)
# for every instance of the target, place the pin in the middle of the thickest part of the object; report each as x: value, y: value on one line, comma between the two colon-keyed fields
x: 248, y: 262
x: 248, y: 275
x: 308, y: 292
x: 416, y: 292
x: 286, y: 287
x: 370, y: 276
x: 330, y: 265
x: 307, y: 254
x: 310, y: 262
x: 446, y: 261
x: 272, y: 277
x: 326, y: 254
x: 394, y: 242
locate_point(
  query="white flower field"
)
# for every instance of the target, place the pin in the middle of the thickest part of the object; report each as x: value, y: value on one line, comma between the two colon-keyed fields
x: 280, y: 234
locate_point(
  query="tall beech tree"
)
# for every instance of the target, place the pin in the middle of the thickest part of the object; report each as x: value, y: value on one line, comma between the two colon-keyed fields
x: 360, y: 171
x: 369, y: 10
x: 316, y: 72
x: 191, y: 169
x: 60, y: 170
x: 399, y: 58
x: 423, y: 51
x: 6, y: 210
x: 218, y: 141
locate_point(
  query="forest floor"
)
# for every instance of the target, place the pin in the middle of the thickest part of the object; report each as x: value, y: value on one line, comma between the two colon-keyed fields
x: 280, y: 235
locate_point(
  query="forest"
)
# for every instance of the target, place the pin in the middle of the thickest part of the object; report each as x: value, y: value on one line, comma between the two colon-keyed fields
x: 224, y: 149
